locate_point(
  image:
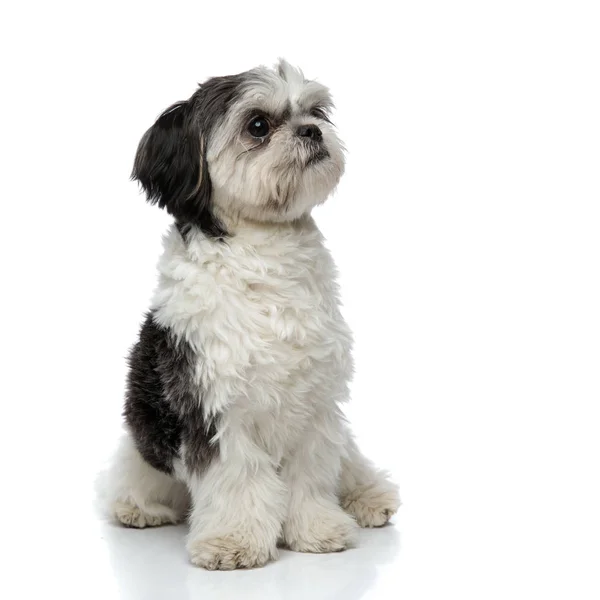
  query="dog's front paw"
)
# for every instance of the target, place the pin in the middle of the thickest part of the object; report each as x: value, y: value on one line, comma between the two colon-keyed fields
x: 372, y: 505
x: 320, y: 529
x: 230, y: 552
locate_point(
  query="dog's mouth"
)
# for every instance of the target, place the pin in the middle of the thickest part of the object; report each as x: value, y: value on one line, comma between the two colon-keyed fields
x: 318, y: 156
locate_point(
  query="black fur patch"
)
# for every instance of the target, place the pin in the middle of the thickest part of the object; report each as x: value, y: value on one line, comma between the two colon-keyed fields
x: 162, y: 404
x: 170, y: 163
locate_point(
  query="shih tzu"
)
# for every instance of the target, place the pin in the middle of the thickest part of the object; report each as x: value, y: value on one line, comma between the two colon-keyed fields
x: 233, y: 397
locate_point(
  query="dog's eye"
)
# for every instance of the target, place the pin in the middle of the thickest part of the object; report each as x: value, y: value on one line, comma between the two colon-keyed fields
x: 258, y: 127
x: 319, y: 113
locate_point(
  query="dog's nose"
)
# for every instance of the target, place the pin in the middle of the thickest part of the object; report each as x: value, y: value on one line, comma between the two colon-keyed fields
x: 312, y: 132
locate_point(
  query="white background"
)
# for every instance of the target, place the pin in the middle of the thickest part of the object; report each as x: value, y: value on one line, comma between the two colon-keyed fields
x: 466, y: 230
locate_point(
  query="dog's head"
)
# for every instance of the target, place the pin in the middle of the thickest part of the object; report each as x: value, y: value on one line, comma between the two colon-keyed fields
x: 258, y: 145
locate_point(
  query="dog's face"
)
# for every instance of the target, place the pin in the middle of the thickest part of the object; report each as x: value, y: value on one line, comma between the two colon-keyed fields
x: 258, y: 145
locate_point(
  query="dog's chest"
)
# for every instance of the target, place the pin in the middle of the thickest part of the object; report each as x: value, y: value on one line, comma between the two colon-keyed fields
x: 263, y: 316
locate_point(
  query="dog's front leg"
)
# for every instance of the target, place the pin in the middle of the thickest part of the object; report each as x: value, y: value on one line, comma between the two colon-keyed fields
x: 315, y: 521
x: 238, y: 509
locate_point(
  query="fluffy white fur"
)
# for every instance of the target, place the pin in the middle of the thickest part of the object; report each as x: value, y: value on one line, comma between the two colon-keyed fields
x: 261, y: 312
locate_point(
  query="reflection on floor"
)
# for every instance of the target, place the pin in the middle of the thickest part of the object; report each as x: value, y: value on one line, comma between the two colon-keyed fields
x: 152, y: 563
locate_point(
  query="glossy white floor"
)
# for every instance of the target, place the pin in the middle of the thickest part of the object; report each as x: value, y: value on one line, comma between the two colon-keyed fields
x: 148, y: 564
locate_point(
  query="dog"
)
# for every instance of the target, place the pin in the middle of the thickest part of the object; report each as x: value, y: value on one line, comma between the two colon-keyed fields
x: 233, y: 403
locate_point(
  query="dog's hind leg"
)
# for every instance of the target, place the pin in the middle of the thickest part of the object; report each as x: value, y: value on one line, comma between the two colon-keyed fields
x: 138, y: 495
x: 365, y: 492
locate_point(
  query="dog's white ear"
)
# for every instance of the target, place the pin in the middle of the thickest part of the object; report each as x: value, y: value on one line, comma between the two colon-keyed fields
x: 171, y: 167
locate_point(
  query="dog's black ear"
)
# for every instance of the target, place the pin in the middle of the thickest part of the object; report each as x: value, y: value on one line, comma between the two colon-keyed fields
x: 171, y: 166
